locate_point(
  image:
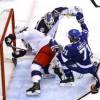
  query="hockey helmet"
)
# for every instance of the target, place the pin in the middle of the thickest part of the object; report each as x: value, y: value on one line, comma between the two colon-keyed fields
x: 74, y: 34
x: 48, y: 19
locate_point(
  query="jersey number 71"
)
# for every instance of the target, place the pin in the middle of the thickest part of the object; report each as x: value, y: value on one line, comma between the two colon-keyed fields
x: 85, y: 51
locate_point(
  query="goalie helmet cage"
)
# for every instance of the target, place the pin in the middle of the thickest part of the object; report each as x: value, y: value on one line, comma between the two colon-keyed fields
x: 9, y: 18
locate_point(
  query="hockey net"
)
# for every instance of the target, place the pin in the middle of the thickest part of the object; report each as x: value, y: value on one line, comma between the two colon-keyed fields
x: 7, y: 25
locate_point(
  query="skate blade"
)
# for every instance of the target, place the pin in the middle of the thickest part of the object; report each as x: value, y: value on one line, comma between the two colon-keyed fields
x: 37, y: 92
x: 67, y: 84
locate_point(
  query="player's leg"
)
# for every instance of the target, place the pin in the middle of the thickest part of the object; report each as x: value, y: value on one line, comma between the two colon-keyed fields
x: 69, y: 78
x: 49, y: 54
x: 95, y: 71
x: 42, y: 59
x: 65, y: 74
x: 57, y: 68
x: 36, y: 77
x: 27, y: 45
x: 46, y: 69
x: 46, y: 73
x: 60, y: 73
x: 95, y: 87
x: 69, y: 75
x: 53, y: 65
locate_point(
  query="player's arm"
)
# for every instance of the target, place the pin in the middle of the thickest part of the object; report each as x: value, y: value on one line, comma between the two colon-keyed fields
x: 9, y: 39
x: 55, y: 46
x: 59, y: 10
x: 65, y: 56
x: 18, y: 53
x: 80, y: 19
x: 68, y: 12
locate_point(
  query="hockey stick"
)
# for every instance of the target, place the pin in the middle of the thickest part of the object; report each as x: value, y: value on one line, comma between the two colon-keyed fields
x: 68, y: 15
x: 95, y: 4
x: 32, y: 52
x: 84, y: 95
x: 14, y: 48
x: 22, y: 30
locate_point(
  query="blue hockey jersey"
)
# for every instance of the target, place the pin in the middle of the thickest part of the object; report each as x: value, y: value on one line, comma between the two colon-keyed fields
x: 78, y: 53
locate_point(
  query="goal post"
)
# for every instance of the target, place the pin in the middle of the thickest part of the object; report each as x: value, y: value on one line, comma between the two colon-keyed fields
x: 7, y: 20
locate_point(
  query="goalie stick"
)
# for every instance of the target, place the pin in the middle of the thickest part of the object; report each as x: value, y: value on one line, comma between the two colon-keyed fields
x: 95, y: 4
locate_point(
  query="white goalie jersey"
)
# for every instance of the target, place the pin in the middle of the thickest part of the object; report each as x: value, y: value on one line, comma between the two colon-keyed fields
x: 35, y: 38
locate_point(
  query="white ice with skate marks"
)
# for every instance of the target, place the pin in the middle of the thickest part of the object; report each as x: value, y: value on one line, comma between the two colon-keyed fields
x: 50, y: 89
x: 95, y: 96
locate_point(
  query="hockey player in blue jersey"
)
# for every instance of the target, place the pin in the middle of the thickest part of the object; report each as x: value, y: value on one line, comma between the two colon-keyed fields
x: 77, y: 55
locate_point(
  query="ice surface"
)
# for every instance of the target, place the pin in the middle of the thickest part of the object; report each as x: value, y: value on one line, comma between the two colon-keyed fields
x: 50, y: 89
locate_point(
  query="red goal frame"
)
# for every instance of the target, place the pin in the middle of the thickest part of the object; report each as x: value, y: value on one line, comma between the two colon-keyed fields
x: 11, y: 18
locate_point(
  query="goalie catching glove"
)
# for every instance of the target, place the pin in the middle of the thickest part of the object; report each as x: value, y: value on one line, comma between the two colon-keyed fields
x: 9, y: 39
x: 19, y: 53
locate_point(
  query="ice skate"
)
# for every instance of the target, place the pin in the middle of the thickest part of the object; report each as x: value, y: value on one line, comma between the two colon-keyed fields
x: 34, y: 90
x: 67, y: 82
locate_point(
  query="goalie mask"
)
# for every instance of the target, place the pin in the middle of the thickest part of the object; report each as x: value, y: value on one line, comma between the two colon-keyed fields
x: 49, y: 20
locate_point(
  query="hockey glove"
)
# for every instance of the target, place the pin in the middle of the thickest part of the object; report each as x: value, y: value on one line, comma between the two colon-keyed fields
x: 19, y: 53
x: 9, y: 39
x: 80, y: 17
x: 78, y: 9
x: 55, y: 46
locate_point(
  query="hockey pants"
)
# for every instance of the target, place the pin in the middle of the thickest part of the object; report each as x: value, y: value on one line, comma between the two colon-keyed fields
x: 44, y: 56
